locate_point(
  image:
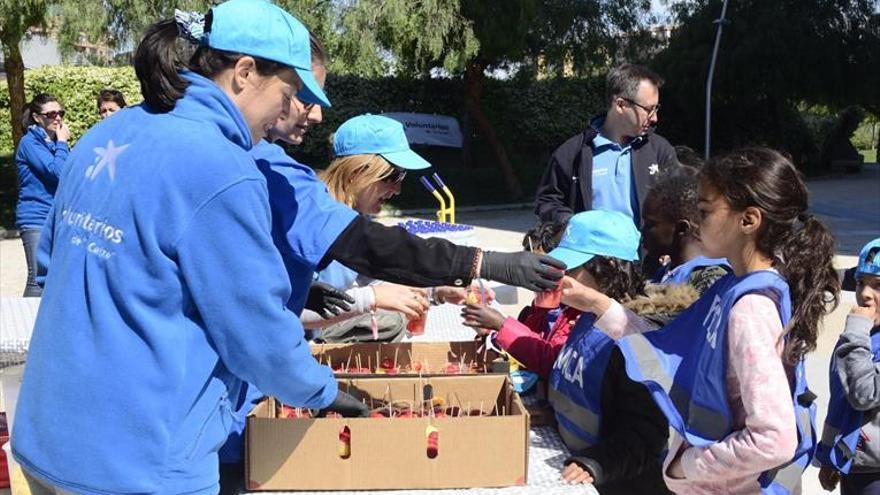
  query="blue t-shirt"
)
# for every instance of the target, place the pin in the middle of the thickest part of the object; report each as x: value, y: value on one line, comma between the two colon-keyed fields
x: 40, y: 162
x: 613, y: 188
x: 306, y: 220
x: 164, y: 292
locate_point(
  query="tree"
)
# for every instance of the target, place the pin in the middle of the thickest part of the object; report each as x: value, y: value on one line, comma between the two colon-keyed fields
x: 774, y: 56
x: 468, y: 37
x: 16, y: 17
x: 116, y: 24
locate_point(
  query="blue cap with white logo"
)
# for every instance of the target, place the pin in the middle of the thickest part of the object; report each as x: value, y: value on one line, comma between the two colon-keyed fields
x: 377, y: 135
x: 869, y: 259
x: 597, y: 233
x: 261, y: 29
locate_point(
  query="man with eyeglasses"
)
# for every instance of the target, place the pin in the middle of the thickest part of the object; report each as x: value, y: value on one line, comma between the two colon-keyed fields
x: 616, y: 160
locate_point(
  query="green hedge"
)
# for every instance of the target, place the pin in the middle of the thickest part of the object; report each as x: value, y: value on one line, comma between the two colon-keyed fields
x: 76, y: 88
x: 531, y: 118
x: 527, y: 114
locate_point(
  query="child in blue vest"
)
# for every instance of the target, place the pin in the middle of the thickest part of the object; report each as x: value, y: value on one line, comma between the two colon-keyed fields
x: 728, y: 373
x: 609, y: 422
x: 670, y: 222
x: 850, y: 448
x: 40, y: 158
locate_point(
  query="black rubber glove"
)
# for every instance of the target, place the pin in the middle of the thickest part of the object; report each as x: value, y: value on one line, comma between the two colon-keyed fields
x: 346, y: 405
x: 527, y: 270
x: 327, y: 301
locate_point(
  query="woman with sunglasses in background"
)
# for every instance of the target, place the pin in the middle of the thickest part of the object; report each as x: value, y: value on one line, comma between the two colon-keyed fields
x: 40, y: 158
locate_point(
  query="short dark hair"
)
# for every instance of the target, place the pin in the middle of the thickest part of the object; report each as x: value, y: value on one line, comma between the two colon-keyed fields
x: 678, y: 197
x: 618, y: 279
x: 688, y: 157
x: 623, y: 81
x: 113, y: 95
x: 319, y: 53
x: 545, y: 236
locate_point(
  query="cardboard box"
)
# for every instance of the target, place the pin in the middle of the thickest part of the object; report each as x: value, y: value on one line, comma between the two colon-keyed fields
x: 411, y: 358
x: 393, y: 453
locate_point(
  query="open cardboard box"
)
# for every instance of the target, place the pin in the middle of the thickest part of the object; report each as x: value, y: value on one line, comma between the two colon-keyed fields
x: 410, y: 358
x: 392, y: 453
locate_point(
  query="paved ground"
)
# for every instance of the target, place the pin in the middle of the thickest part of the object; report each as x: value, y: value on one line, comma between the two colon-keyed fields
x: 849, y: 204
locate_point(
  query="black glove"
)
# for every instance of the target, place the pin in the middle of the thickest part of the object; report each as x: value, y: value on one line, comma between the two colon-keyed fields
x: 327, y: 301
x: 346, y: 405
x: 527, y: 270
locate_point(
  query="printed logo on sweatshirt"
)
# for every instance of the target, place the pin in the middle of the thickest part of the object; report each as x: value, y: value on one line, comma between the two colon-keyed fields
x: 653, y: 169
x: 106, y: 159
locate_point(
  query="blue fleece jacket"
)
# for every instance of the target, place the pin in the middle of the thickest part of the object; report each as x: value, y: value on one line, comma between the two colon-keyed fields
x: 40, y: 161
x: 306, y: 220
x: 163, y: 293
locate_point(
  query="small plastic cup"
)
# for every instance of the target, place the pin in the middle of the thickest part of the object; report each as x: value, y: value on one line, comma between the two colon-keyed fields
x: 549, y: 299
x: 417, y: 326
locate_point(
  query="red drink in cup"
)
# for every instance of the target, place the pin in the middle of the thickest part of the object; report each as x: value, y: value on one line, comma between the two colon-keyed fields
x: 417, y: 326
x: 549, y: 299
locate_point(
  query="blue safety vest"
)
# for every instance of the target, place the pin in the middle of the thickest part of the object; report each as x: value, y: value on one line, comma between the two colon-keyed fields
x: 684, y: 367
x: 682, y: 273
x: 575, y: 390
x: 843, y: 424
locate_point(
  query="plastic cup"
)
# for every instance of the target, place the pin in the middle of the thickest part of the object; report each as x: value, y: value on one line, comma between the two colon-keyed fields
x: 417, y: 326
x: 549, y: 299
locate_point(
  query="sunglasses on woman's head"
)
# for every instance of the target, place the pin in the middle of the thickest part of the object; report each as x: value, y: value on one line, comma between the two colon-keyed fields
x: 53, y: 114
x: 395, y: 177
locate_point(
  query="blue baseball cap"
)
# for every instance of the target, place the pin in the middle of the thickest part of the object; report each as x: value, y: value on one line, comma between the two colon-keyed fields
x: 377, y: 135
x: 869, y: 259
x: 597, y: 233
x: 261, y: 29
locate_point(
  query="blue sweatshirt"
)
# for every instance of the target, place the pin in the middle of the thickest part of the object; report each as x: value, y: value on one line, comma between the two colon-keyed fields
x: 163, y: 294
x: 306, y: 220
x: 40, y: 161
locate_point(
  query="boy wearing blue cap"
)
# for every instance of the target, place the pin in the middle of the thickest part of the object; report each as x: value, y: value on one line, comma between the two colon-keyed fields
x: 850, y: 447
x: 610, y: 424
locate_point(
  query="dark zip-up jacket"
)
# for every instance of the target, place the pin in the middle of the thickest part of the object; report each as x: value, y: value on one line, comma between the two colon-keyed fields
x: 567, y: 185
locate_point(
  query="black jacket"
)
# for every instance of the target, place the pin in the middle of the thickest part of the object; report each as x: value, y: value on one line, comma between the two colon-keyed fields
x: 635, y: 433
x: 557, y: 198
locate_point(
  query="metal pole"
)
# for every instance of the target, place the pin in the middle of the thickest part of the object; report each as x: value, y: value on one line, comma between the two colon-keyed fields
x: 720, y: 21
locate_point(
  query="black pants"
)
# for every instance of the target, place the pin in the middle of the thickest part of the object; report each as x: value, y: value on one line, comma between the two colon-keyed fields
x: 30, y: 239
x: 860, y: 484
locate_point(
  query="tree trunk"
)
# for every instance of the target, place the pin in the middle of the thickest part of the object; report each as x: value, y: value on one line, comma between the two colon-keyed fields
x: 14, y: 67
x: 473, y: 104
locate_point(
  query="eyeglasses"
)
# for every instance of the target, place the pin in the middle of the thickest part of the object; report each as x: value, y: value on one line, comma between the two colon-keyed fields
x: 53, y: 114
x: 395, y: 177
x: 650, y: 110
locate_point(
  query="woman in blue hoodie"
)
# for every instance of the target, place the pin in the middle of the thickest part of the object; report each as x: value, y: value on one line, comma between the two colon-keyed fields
x: 163, y: 295
x: 40, y: 158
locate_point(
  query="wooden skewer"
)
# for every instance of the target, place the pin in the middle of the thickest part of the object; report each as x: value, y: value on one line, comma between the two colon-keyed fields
x: 396, y: 350
x: 348, y: 361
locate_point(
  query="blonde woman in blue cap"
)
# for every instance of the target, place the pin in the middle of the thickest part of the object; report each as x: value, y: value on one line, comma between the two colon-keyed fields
x: 372, y: 158
x: 849, y: 451
x: 162, y: 269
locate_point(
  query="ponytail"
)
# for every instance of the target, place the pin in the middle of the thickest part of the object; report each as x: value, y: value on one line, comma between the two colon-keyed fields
x: 157, y: 66
x: 804, y: 259
x: 801, y: 246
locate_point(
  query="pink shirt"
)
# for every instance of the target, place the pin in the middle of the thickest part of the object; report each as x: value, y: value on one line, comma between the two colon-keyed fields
x: 764, y: 430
